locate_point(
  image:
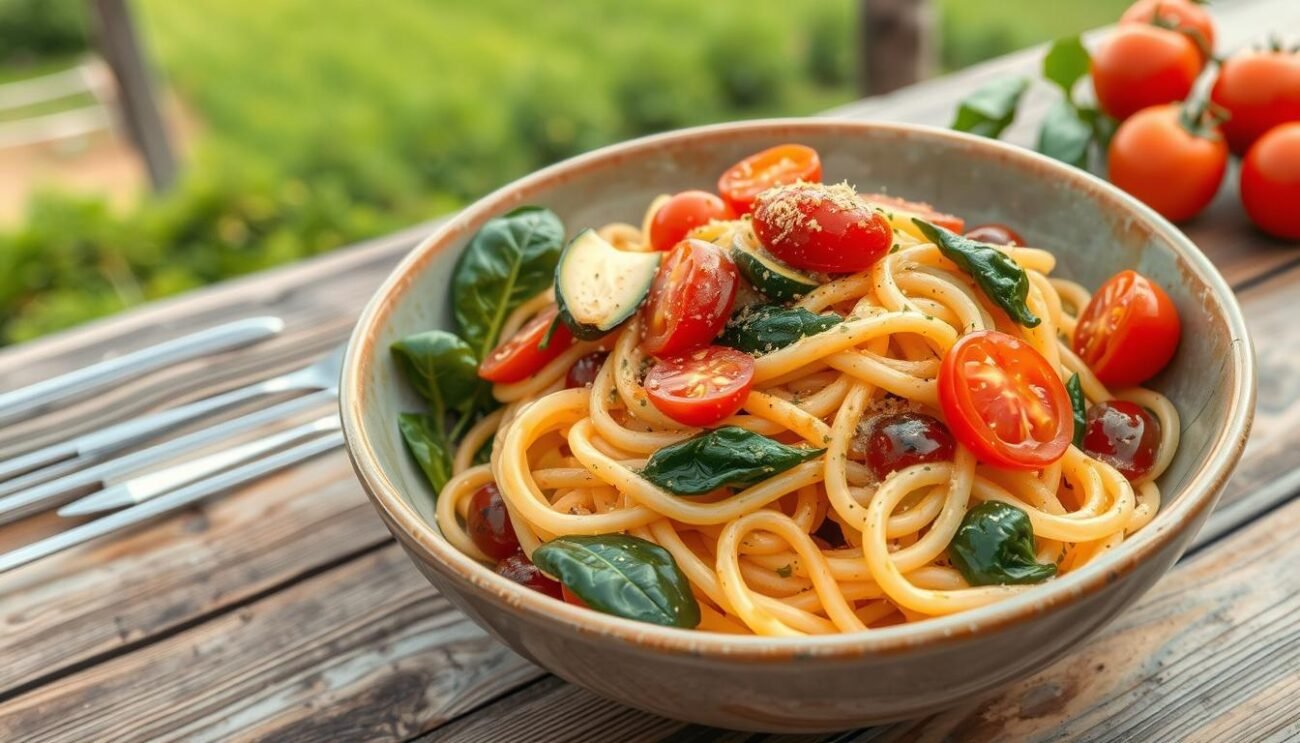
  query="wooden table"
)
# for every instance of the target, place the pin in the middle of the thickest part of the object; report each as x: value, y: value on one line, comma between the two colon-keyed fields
x: 286, y: 611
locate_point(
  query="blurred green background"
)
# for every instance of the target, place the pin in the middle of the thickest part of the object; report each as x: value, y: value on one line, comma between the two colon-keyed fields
x: 322, y: 122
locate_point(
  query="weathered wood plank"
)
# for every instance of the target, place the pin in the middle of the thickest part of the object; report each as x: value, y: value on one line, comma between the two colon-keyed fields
x: 368, y: 651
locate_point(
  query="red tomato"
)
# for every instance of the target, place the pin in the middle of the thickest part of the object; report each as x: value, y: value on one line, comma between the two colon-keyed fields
x: 995, y: 234
x: 1270, y: 182
x: 918, y: 208
x: 488, y: 524
x: 522, y: 356
x: 778, y: 166
x: 1180, y: 15
x: 681, y: 214
x: 572, y: 598
x: 1004, y: 402
x: 690, y: 299
x: 1141, y: 66
x: 1175, y: 171
x: 893, y: 442
x: 821, y: 228
x: 521, y: 570
x: 1123, y: 435
x: 584, y: 370
x: 1128, y: 331
x: 702, y: 387
x: 1260, y: 90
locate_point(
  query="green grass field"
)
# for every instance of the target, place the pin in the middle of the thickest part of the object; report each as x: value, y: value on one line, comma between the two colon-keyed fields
x: 328, y: 121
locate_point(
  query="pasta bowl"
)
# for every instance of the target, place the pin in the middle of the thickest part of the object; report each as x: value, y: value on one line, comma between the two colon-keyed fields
x: 822, y: 682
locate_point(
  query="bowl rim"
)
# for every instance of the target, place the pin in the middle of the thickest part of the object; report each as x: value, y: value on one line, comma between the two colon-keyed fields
x: 431, y: 547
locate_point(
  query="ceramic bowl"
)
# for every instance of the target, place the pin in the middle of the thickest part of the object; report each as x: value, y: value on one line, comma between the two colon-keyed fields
x: 827, y: 682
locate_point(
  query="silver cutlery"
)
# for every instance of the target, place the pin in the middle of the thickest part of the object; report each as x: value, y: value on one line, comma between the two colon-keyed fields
x: 56, y: 492
x: 91, y: 447
x: 143, y: 487
x: 38, y: 397
x: 168, y: 502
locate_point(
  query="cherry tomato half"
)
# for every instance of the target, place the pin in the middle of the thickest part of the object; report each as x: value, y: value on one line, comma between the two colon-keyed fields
x: 1260, y: 90
x: 488, y: 523
x: 690, y: 299
x: 889, y: 443
x: 1128, y: 331
x: 918, y: 208
x: 1123, y: 435
x: 1140, y: 66
x: 1270, y: 182
x: 1004, y: 402
x: 522, y: 356
x: 682, y: 213
x: 701, y: 387
x: 572, y: 598
x: 994, y: 233
x: 1185, y: 16
x: 1172, y: 170
x: 821, y: 228
x: 584, y: 370
x: 778, y: 166
x: 521, y: 570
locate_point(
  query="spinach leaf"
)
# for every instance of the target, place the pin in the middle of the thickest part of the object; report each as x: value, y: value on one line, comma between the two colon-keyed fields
x: 991, y: 108
x: 442, y: 368
x: 1065, y: 134
x: 1000, y: 278
x: 621, y: 575
x: 725, y: 456
x: 1066, y: 62
x: 426, y: 439
x: 995, y: 545
x: 510, y: 260
x: 1079, y: 404
x: 771, y: 327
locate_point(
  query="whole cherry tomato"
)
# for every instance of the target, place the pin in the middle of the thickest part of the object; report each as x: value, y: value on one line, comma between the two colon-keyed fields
x: 1142, y: 66
x: 1260, y: 90
x: 777, y: 166
x: 888, y: 443
x: 916, y: 208
x: 523, y: 356
x: 690, y: 299
x: 821, y: 228
x: 1004, y: 401
x: 1174, y: 166
x: 518, y: 568
x: 488, y: 523
x: 1129, y: 330
x: 701, y: 387
x: 1186, y: 16
x: 995, y: 234
x: 584, y: 370
x: 1270, y: 182
x: 682, y: 213
x: 1123, y: 435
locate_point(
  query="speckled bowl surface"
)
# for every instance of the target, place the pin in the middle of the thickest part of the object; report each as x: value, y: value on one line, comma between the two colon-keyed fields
x: 841, y: 681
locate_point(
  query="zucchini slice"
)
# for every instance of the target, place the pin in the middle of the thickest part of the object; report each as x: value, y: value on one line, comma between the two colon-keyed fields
x: 598, y: 286
x: 769, y: 275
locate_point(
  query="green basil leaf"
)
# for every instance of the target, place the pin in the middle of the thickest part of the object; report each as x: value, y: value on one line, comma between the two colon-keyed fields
x: 764, y: 329
x: 1103, y: 126
x: 991, y: 108
x: 484, y: 453
x: 1066, y: 62
x: 426, y: 439
x: 727, y: 456
x: 995, y: 545
x: 1080, y: 406
x: 443, y: 369
x: 998, y: 276
x: 621, y: 575
x: 510, y: 260
x: 1065, y: 135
